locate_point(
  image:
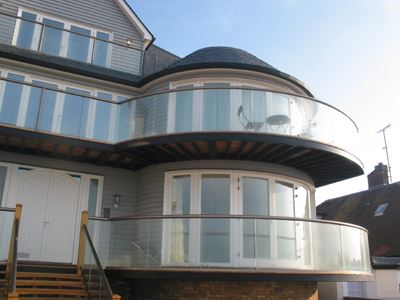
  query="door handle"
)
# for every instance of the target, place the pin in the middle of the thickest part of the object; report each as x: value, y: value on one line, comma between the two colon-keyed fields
x: 46, y: 222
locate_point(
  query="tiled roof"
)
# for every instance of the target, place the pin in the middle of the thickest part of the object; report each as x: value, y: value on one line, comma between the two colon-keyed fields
x: 359, y: 209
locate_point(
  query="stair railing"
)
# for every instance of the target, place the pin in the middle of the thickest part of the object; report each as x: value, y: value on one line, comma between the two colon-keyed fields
x: 11, y: 269
x: 89, y: 266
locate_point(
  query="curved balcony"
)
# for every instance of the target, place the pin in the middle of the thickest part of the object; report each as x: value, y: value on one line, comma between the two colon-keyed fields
x: 241, y: 243
x: 201, y: 123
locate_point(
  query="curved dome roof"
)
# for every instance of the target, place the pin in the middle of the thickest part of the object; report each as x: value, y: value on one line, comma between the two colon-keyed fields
x: 225, y: 57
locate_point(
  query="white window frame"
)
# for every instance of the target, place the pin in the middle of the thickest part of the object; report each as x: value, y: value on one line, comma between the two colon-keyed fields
x: 58, y: 110
x: 236, y: 208
x: 65, y: 36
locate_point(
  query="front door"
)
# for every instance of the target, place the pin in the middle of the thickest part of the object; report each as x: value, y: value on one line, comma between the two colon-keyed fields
x: 50, y: 209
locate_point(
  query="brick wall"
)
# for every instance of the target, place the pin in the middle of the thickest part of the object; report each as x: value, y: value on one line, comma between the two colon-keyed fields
x: 207, y: 290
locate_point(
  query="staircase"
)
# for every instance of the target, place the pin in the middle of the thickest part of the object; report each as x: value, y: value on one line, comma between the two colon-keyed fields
x: 2, y: 280
x: 49, y: 281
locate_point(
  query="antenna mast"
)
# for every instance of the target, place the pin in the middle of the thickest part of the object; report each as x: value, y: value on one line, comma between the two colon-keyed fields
x: 383, y: 130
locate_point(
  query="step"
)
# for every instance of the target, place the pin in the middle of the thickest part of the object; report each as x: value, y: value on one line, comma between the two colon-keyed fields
x: 48, y: 268
x: 36, y: 275
x: 55, y: 292
x: 52, y: 298
x: 57, y: 283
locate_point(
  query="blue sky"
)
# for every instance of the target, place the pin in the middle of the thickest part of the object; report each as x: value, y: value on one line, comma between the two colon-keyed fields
x: 346, y: 51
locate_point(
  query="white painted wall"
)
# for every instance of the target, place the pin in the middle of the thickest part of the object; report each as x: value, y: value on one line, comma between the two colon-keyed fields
x: 386, y: 286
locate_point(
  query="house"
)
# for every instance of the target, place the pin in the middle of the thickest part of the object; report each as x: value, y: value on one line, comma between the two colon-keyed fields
x: 180, y: 177
x: 376, y: 209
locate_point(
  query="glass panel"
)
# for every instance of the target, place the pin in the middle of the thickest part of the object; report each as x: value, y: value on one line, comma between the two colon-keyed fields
x: 101, y: 50
x: 252, y: 112
x: 327, y: 248
x: 10, y: 103
x: 215, y: 233
x: 48, y: 114
x: 255, y: 232
x: 78, y: 44
x: 180, y: 228
x: 3, y: 174
x: 33, y: 107
x: 74, y: 113
x: 101, y: 128
x: 279, y: 117
x: 124, y: 119
x: 151, y: 115
x: 216, y: 111
x: 184, y: 109
x: 52, y: 37
x: 352, y: 249
x: 26, y: 31
x: 93, y: 194
x: 285, y: 229
x: 6, y: 224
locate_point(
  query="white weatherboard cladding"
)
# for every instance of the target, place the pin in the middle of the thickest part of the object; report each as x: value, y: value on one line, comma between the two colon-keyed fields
x: 104, y: 14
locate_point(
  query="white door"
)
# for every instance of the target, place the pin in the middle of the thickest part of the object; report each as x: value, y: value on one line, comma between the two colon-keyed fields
x: 50, y: 210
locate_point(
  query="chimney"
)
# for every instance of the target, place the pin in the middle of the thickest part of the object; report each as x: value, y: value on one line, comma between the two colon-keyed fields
x: 378, y: 177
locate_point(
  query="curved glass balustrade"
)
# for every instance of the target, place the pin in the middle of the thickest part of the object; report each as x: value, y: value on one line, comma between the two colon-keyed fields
x: 195, y: 241
x: 73, y: 113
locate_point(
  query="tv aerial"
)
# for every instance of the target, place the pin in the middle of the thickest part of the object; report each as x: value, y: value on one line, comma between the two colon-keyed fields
x: 383, y: 130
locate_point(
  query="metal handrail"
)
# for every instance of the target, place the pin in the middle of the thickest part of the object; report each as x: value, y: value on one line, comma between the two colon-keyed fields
x: 7, y: 209
x: 70, y: 31
x: 210, y: 216
x: 100, y: 269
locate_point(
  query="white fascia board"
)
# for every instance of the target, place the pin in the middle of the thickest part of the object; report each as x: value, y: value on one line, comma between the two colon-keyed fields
x: 147, y: 36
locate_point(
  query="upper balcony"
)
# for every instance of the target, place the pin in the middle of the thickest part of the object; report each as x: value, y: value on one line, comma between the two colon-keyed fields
x: 194, y: 123
x: 78, y: 43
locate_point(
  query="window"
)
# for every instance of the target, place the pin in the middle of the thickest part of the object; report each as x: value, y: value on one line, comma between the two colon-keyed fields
x: 63, y: 38
x: 218, y: 242
x: 72, y: 113
x: 380, y: 209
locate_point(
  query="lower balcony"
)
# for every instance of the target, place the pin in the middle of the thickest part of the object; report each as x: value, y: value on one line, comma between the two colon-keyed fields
x: 230, y: 246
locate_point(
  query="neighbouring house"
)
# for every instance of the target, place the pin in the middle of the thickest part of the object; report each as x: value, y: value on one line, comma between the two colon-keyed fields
x: 165, y: 177
x: 376, y: 209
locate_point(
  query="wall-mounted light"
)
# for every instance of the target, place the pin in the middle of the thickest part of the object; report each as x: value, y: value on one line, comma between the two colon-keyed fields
x: 129, y: 42
x: 117, y: 198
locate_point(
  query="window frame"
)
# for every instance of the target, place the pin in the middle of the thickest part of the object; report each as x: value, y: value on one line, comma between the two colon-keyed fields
x: 62, y: 87
x: 236, y: 208
x: 68, y: 23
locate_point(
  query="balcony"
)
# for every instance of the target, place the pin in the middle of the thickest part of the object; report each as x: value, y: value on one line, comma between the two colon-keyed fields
x: 79, y: 44
x: 243, y: 244
x: 201, y: 123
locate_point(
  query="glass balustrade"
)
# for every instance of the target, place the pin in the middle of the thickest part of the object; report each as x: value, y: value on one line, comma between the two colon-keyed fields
x: 75, y: 113
x: 232, y: 242
x: 80, y: 44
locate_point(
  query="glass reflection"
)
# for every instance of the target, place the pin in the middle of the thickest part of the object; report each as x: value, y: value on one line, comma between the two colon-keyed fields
x: 215, y: 233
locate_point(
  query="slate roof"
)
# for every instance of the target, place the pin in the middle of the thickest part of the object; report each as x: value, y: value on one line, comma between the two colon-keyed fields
x: 224, y: 57
x: 211, y: 57
x: 359, y: 209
